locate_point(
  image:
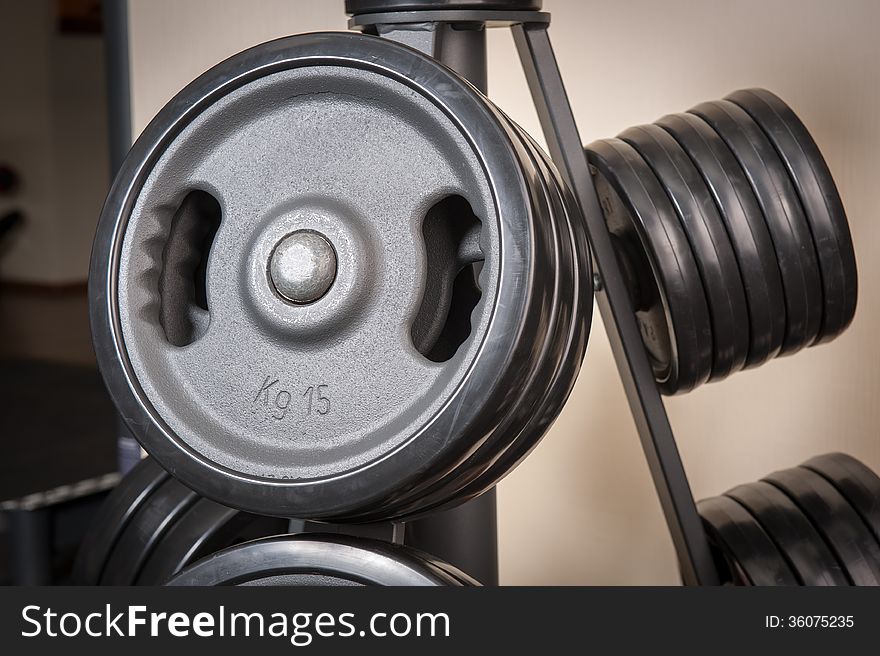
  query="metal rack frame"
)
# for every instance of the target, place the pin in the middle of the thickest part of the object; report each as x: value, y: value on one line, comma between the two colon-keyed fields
x: 530, y: 33
x: 420, y: 24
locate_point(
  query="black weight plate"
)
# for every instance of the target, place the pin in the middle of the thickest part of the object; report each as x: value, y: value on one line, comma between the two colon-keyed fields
x: 573, y: 300
x: 834, y: 518
x: 710, y: 244
x: 673, y: 315
x: 457, y: 574
x: 553, y: 352
x: 314, y: 559
x: 821, y: 201
x: 746, y: 228
x: 794, y: 535
x: 145, y: 531
x: 560, y: 353
x: 743, y: 543
x: 855, y: 481
x: 246, y: 433
x: 571, y: 310
x: 111, y: 521
x: 203, y: 529
x: 795, y: 251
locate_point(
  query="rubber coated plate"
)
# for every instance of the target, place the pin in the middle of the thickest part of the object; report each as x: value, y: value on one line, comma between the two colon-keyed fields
x: 710, y: 244
x: 836, y: 521
x: 746, y: 229
x: 670, y: 302
x: 794, y: 535
x: 785, y: 218
x: 299, y: 559
x: 821, y: 201
x: 748, y: 550
x: 203, y: 529
x: 113, y: 518
x: 571, y: 307
x: 559, y: 355
x: 573, y: 300
x: 340, y: 407
x: 145, y: 531
x: 457, y: 574
x: 856, y: 482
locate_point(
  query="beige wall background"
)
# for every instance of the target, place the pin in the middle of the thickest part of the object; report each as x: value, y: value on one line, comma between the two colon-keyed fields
x: 581, y: 509
x: 53, y: 130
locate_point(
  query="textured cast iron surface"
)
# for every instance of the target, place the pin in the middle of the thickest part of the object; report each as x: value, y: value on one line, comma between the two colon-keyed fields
x: 311, y: 148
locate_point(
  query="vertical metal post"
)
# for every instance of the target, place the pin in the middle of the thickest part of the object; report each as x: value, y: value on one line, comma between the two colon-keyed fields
x: 466, y: 536
x: 118, y: 84
x: 612, y: 297
x: 118, y: 90
x: 464, y: 51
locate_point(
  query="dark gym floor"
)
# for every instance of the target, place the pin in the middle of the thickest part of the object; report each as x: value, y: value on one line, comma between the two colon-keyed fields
x: 56, y: 420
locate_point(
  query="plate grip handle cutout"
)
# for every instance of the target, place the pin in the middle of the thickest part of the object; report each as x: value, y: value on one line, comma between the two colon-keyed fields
x: 183, y: 306
x: 454, y: 259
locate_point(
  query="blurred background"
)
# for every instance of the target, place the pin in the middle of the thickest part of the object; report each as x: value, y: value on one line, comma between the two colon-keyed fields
x: 581, y: 509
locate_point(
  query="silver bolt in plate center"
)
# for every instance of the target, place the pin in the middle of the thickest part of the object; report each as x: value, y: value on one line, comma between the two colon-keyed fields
x: 302, y: 266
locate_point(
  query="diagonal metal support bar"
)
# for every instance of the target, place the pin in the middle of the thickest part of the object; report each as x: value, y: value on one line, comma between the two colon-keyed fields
x: 560, y: 129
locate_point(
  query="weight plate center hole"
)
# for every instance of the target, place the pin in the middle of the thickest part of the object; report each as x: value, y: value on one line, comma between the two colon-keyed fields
x: 302, y: 267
